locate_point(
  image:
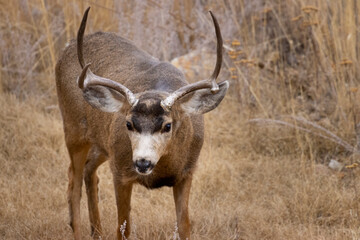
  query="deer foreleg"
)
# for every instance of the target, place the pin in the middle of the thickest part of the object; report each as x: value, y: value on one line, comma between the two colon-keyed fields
x: 181, y: 193
x: 94, y: 160
x: 78, y: 158
x: 123, y: 199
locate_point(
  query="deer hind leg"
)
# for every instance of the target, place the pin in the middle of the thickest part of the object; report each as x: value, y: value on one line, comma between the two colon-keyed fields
x: 181, y: 193
x: 78, y: 158
x: 94, y: 160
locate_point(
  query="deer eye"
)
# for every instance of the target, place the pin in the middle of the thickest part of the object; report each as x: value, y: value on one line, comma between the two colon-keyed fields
x: 167, y: 127
x: 129, y: 126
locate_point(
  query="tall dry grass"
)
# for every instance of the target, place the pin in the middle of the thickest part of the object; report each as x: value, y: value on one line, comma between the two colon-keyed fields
x: 263, y: 172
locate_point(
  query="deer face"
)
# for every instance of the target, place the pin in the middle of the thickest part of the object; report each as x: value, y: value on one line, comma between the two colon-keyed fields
x: 150, y: 130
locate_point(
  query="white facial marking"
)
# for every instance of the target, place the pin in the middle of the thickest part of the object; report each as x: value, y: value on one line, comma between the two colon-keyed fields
x: 148, y: 147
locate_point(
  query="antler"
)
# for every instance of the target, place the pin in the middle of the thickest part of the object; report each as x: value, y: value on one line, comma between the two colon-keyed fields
x: 91, y: 78
x: 207, y: 83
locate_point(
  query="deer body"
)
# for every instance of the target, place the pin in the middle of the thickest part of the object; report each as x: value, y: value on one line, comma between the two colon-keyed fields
x: 148, y: 140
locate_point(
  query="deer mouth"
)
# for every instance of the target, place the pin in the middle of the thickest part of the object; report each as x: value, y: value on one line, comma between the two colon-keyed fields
x: 144, y: 173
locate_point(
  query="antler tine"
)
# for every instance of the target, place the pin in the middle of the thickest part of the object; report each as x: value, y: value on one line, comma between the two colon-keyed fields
x: 219, y: 52
x: 80, y: 37
x: 208, y: 83
x: 92, y: 79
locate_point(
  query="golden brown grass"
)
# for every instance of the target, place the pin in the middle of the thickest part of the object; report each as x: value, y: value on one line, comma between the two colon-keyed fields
x: 263, y: 172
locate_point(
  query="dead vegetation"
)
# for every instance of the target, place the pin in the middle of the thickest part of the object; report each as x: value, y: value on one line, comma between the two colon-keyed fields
x: 263, y: 172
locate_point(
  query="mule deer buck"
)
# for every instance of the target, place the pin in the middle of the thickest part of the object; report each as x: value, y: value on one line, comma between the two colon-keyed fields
x: 147, y: 120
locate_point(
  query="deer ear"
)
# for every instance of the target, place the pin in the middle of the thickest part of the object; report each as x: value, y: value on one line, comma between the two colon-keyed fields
x: 203, y: 100
x: 103, y: 98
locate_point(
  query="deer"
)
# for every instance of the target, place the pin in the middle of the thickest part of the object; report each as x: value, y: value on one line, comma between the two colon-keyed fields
x: 138, y: 112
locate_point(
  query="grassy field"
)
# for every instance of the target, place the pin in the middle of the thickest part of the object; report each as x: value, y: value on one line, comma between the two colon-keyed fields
x: 292, y: 108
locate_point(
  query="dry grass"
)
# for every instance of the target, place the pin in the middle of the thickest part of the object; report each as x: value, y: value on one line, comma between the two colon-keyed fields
x: 292, y: 107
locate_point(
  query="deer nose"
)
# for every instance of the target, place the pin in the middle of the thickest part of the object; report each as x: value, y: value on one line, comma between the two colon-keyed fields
x: 143, y: 166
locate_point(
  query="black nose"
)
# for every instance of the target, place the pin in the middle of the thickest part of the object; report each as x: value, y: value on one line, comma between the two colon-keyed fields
x: 143, y: 165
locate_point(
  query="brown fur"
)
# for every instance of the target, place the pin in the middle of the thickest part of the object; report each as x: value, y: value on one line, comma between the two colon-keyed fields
x: 93, y: 136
